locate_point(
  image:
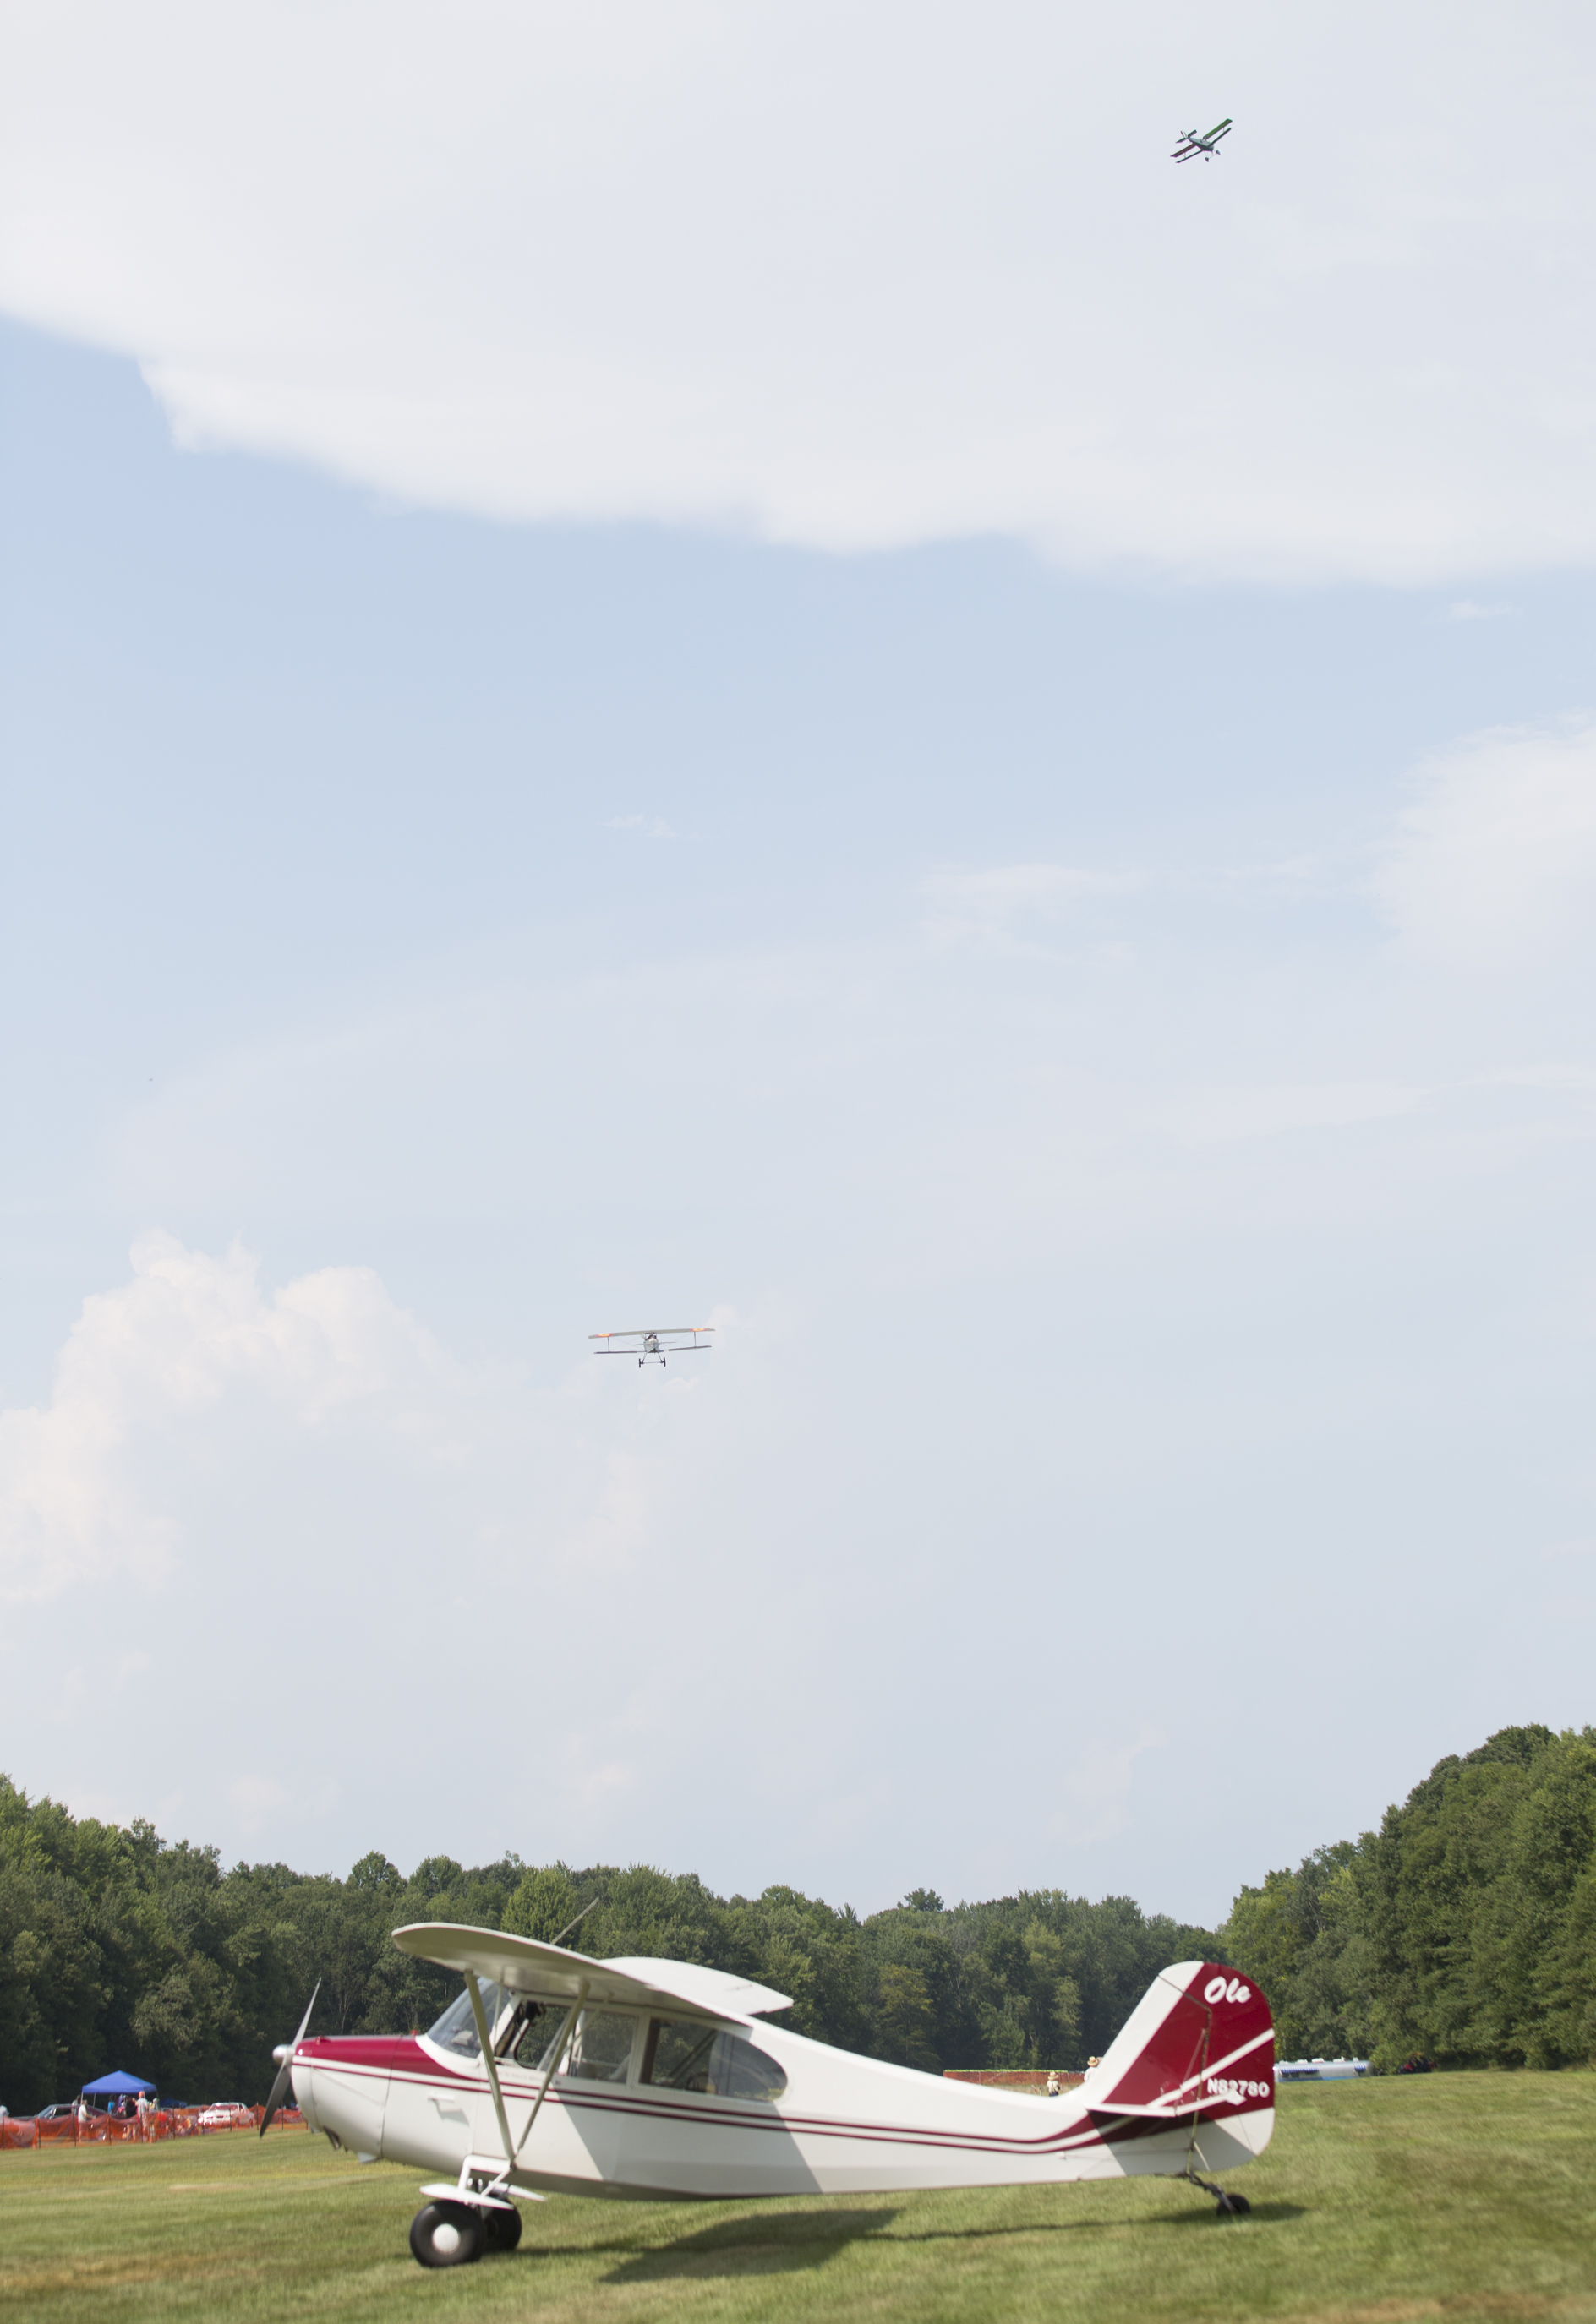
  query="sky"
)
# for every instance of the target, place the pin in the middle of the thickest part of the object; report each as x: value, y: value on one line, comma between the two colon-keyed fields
x: 679, y: 664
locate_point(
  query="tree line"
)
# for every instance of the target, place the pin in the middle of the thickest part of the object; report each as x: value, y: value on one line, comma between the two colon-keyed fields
x: 119, y: 1947
x: 1462, y: 1931
x: 1464, y: 1927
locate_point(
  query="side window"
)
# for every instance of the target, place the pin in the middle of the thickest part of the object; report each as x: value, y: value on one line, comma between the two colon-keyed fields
x: 677, y: 2056
x: 680, y: 2056
x: 602, y: 2049
x: 742, y: 2071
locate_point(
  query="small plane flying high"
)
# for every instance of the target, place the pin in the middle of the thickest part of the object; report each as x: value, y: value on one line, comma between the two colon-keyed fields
x: 654, y: 1344
x: 658, y: 2080
x: 1202, y: 140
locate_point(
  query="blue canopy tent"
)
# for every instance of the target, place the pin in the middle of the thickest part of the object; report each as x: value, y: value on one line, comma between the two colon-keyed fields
x: 117, y: 2086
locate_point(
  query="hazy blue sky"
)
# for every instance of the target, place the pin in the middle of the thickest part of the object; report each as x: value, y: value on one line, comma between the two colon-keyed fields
x: 1103, y: 1028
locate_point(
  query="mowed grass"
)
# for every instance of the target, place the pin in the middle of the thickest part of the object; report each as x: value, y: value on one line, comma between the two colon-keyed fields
x: 1462, y: 2195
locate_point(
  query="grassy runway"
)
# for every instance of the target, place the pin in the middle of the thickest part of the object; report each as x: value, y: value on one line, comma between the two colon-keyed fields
x: 1463, y: 2195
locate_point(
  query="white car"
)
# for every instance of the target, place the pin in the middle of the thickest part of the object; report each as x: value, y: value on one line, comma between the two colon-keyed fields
x: 225, y: 2115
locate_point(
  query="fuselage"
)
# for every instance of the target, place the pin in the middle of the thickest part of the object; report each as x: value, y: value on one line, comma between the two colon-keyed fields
x: 839, y: 2123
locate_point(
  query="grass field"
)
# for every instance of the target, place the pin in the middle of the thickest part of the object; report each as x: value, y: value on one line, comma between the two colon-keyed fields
x: 1462, y: 2195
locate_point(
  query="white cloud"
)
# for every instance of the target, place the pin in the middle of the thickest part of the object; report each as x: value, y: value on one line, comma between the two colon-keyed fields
x: 87, y: 1491
x: 1494, y: 863
x: 643, y: 827
x: 855, y: 275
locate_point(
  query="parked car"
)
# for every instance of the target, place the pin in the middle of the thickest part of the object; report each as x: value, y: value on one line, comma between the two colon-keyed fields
x: 66, y: 2106
x: 226, y: 2114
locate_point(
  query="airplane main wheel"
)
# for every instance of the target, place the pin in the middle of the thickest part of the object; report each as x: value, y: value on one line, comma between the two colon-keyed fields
x: 447, y: 2234
x: 1233, y: 2207
x: 501, y: 2230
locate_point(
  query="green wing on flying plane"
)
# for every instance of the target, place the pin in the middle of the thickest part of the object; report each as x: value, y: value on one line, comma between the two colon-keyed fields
x: 1202, y: 140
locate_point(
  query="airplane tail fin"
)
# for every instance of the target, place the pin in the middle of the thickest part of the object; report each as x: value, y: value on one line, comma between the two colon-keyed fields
x: 1200, y: 2043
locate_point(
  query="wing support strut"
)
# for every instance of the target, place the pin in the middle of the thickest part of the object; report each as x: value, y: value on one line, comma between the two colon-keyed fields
x: 484, y: 2035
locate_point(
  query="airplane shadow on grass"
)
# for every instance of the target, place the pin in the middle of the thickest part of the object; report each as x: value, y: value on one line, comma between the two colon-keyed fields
x: 755, y: 2245
x: 761, y: 2244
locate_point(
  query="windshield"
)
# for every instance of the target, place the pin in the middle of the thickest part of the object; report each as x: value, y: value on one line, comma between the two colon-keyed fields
x: 455, y: 2030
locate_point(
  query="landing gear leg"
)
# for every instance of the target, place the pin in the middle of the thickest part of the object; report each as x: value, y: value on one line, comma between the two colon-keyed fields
x: 1230, y: 2207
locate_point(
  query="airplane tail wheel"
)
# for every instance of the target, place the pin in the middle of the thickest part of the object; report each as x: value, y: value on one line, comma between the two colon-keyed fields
x: 501, y: 2230
x: 1233, y: 2207
x: 447, y: 2234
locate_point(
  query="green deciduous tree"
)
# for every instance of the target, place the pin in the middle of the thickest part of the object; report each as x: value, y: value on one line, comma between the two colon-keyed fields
x: 1461, y: 1930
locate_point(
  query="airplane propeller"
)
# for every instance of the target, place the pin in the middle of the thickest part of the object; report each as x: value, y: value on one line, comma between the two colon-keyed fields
x: 284, y: 2055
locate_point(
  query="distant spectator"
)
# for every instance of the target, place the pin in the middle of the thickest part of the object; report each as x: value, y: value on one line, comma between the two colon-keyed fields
x: 1052, y: 2086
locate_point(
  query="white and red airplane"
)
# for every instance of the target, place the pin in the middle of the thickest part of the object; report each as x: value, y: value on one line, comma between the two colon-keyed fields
x: 659, y: 2081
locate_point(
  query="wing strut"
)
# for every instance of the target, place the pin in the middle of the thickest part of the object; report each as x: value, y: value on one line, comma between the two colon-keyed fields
x: 484, y: 2035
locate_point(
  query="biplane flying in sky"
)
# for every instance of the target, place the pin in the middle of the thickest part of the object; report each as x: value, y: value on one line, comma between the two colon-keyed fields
x: 655, y: 1342
x: 555, y: 2074
x: 1202, y: 140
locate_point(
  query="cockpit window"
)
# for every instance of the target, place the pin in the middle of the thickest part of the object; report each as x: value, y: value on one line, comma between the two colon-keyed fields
x: 455, y: 2030
x: 680, y: 2055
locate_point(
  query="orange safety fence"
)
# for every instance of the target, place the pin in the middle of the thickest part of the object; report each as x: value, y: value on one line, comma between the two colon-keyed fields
x: 119, y: 2130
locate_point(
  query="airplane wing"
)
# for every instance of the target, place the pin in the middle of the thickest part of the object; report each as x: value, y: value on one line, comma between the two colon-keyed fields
x: 550, y: 1973
x: 650, y: 1332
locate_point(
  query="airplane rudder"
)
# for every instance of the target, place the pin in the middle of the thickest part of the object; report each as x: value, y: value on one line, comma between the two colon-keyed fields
x: 1241, y: 2063
x: 1198, y: 2020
